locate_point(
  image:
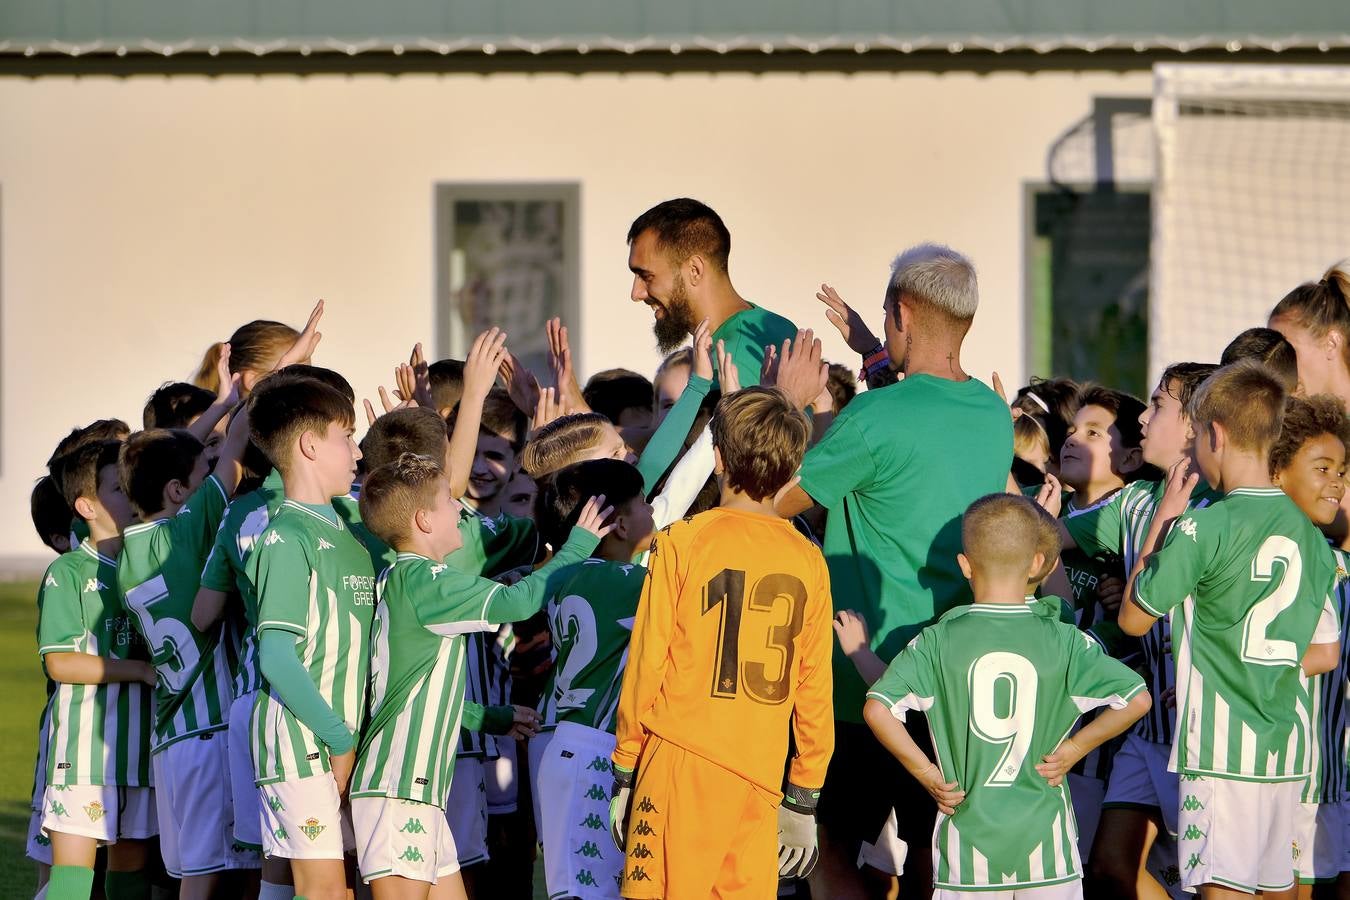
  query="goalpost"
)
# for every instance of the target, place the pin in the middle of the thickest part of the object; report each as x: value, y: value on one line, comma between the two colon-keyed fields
x: 1252, y: 197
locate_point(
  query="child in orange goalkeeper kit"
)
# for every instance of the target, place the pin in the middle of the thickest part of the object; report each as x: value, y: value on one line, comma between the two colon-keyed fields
x: 730, y: 648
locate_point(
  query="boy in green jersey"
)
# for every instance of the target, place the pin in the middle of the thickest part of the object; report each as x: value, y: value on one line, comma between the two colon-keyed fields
x: 406, y: 760
x: 316, y: 599
x: 1247, y: 579
x: 1134, y: 850
x: 1002, y: 682
x: 591, y: 612
x: 164, y: 473
x: 227, y: 591
x: 1308, y: 463
x: 98, y: 782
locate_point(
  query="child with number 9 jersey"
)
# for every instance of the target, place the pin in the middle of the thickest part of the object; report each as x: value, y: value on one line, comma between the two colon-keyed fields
x: 731, y: 651
x: 590, y: 614
x: 1002, y: 681
x: 1247, y: 581
x: 406, y: 761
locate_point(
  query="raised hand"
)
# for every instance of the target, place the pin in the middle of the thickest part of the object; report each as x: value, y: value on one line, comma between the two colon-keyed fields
x: 414, y: 379
x: 998, y: 389
x: 521, y: 384
x: 851, y: 630
x: 731, y: 376
x: 483, y: 362
x: 852, y: 328
x: 593, y: 516
x: 549, y: 408
x: 1181, y: 483
x: 560, y: 361
x: 227, y: 384
x: 702, y: 346
x: 801, y: 373
x: 1051, y: 496
x: 302, y: 351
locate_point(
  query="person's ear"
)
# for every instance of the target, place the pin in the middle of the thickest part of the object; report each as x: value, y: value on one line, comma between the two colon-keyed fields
x: 718, y: 467
x: 964, y: 562
x: 619, y: 527
x: 422, y: 521
x: 1037, y: 563
x: 85, y: 509
x: 1333, y: 343
x: 695, y: 268
x: 308, y: 445
x: 1218, y: 437
x: 1130, y: 460
x: 175, y: 492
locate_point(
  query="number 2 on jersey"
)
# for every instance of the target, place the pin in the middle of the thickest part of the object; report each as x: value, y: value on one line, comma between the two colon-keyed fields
x: 1257, y: 648
x: 726, y: 593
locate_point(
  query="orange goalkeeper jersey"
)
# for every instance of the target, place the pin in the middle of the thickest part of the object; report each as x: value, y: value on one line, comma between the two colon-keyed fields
x: 731, y: 648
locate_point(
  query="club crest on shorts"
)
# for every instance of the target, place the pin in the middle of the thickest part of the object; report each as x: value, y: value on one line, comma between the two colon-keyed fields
x: 95, y: 811
x: 312, y: 829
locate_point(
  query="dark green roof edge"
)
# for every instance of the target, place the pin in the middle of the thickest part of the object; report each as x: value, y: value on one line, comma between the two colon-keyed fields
x: 443, y: 27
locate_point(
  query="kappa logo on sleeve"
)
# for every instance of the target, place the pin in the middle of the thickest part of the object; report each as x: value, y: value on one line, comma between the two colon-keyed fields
x: 273, y: 538
x: 1187, y: 527
x: 324, y: 545
x: 93, y: 585
x: 50, y: 581
x: 437, y: 570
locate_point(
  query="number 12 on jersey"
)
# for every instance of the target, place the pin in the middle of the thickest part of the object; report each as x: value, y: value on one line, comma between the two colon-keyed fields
x: 725, y: 594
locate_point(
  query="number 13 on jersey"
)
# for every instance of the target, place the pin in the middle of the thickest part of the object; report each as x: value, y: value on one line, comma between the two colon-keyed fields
x: 771, y: 620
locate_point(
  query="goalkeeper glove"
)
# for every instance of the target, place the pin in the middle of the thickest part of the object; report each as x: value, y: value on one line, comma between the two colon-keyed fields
x: 618, y: 805
x: 797, y: 842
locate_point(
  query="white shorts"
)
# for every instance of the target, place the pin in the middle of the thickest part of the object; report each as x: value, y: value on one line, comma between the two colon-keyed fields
x: 580, y: 859
x: 888, y: 853
x: 403, y: 838
x: 1238, y: 834
x: 500, y: 775
x: 1322, y: 841
x: 39, y: 848
x: 305, y: 819
x: 192, y: 794
x: 536, y: 748
x: 466, y: 811
x: 1086, y: 794
x: 1139, y: 778
x: 106, y: 814
x: 243, y: 790
x: 1069, y: 890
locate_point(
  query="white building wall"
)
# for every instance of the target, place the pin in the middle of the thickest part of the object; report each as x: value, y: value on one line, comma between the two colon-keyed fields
x: 143, y: 218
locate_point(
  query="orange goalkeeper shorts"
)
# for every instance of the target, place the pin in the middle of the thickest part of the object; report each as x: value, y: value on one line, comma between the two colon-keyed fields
x: 697, y: 830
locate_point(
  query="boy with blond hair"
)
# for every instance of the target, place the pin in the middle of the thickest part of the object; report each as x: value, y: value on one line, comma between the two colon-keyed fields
x: 730, y: 652
x: 406, y: 761
x: 1246, y: 580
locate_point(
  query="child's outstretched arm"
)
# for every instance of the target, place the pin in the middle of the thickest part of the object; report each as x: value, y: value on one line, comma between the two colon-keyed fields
x: 851, y: 630
x: 227, y: 395
x: 230, y: 464
x: 86, y: 668
x: 665, y: 444
x: 893, y: 736
x: 1133, y: 619
x: 480, y: 372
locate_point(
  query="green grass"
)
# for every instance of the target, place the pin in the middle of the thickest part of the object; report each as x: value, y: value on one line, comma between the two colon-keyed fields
x: 21, y: 697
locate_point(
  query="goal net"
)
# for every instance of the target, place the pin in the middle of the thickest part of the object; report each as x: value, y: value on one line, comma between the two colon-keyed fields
x: 1252, y: 197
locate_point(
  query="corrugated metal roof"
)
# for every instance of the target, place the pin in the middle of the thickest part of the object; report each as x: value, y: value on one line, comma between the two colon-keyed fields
x: 264, y: 27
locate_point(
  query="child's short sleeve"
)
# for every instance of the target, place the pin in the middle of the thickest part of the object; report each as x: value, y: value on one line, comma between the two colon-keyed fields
x: 910, y: 682
x: 840, y: 463
x: 198, y: 521
x: 61, y: 618
x: 1097, y: 529
x: 218, y: 573
x: 1172, y: 573
x: 282, y: 576
x: 1095, y: 679
x: 1328, y: 624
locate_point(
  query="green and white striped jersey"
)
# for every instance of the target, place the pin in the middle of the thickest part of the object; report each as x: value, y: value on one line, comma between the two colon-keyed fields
x: 244, y: 523
x: 590, y: 616
x: 408, y: 748
x: 492, y: 545
x: 99, y: 733
x: 158, y: 574
x: 1002, y: 685
x: 1326, y: 695
x: 314, y: 581
x: 1248, y: 579
x: 1119, y: 525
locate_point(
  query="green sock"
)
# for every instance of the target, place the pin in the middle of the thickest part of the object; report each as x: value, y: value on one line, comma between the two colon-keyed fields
x: 70, y: 883
x: 127, y: 885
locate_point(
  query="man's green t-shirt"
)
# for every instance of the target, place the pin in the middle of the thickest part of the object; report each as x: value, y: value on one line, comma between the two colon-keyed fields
x: 897, y: 470
x: 746, y: 334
